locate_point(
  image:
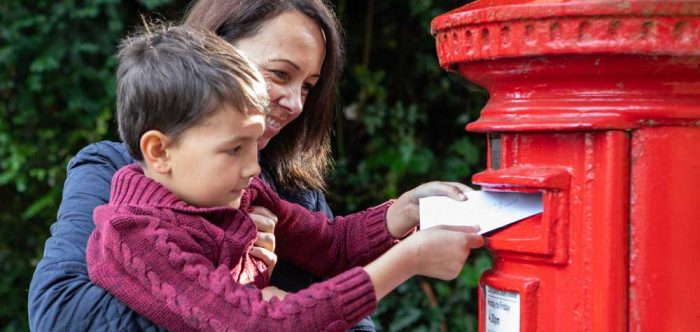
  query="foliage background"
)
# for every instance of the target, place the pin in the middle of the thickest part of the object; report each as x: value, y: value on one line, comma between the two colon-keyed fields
x: 399, y: 123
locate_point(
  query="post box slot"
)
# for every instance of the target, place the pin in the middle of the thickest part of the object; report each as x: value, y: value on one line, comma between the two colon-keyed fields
x: 541, y: 237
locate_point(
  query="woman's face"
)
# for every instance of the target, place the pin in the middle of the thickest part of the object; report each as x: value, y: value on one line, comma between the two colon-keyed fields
x: 289, y: 51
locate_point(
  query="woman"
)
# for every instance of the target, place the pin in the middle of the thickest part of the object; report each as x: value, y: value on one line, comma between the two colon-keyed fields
x: 297, y: 46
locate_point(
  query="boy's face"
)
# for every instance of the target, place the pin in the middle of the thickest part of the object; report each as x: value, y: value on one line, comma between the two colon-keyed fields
x: 214, y: 161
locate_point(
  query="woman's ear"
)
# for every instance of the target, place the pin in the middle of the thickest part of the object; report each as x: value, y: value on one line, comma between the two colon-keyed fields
x: 154, y: 149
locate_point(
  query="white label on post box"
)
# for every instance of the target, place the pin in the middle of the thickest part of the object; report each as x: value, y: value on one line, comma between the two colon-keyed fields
x: 502, y: 312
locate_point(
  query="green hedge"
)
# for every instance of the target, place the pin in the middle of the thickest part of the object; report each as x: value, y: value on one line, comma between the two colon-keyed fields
x: 400, y: 122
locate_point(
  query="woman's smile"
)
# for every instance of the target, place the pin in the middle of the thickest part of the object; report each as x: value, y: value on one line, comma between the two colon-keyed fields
x: 274, y: 123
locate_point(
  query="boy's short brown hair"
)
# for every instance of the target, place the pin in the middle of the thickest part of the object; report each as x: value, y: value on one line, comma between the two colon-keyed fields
x: 172, y: 77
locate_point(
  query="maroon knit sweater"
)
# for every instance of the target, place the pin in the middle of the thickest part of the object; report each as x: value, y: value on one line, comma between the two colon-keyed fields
x: 185, y: 267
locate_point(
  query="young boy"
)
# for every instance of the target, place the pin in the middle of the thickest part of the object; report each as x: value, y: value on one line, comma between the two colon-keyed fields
x: 174, y: 241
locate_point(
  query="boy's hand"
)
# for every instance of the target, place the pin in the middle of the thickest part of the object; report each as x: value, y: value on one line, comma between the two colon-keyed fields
x: 403, y: 215
x: 440, y: 251
x: 264, y: 246
x: 271, y: 291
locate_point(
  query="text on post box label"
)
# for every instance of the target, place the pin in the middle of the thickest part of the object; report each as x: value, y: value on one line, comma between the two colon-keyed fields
x: 502, y: 310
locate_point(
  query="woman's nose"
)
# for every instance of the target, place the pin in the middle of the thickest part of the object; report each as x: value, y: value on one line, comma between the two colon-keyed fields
x: 292, y: 100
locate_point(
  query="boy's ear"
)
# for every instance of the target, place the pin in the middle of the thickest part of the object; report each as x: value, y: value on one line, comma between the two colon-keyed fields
x: 154, y: 149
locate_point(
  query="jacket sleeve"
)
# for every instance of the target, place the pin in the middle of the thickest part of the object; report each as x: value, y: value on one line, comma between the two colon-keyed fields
x: 61, y: 296
x: 345, y: 241
x: 159, y: 270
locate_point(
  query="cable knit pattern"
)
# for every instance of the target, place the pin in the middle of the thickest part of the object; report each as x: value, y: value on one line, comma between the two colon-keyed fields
x: 343, y: 240
x: 186, y: 268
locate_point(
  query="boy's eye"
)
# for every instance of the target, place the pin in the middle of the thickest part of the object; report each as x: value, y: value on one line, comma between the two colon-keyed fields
x: 234, y: 151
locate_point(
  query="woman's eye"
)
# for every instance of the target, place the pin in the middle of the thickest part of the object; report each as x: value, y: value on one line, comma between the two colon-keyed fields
x: 306, y: 87
x: 280, y: 74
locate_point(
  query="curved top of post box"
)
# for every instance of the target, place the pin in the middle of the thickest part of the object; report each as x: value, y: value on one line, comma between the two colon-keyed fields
x: 577, y: 64
x: 489, y: 29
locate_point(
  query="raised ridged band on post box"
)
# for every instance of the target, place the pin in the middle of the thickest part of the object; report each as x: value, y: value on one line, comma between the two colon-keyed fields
x: 575, y: 65
x: 585, y: 29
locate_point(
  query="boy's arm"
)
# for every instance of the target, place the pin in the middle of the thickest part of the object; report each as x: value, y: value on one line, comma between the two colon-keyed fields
x: 164, y: 275
x: 321, y: 246
x: 61, y: 296
x: 352, y: 240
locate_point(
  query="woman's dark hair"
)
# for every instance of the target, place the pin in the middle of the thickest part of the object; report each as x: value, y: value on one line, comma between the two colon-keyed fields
x: 299, y: 156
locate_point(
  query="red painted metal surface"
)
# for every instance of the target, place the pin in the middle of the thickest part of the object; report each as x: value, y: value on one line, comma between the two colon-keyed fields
x: 596, y: 105
x: 665, y: 230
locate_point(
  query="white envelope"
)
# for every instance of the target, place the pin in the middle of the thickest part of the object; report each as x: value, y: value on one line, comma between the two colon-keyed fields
x: 489, y: 210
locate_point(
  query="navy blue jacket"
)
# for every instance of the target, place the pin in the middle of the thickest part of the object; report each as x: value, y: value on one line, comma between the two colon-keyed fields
x: 61, y: 296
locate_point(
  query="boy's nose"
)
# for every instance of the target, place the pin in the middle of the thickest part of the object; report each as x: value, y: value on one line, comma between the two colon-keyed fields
x: 252, y: 169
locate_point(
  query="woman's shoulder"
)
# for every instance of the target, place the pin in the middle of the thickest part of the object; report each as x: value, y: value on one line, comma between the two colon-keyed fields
x: 110, y: 153
x: 312, y: 200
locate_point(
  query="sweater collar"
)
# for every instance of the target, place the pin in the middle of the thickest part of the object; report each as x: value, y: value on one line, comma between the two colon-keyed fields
x: 130, y: 186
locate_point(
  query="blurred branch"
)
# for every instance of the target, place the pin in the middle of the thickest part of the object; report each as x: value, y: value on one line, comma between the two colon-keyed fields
x: 432, y: 299
x: 369, y: 27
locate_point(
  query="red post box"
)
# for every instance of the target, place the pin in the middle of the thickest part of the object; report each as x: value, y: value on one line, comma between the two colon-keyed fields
x: 595, y: 105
